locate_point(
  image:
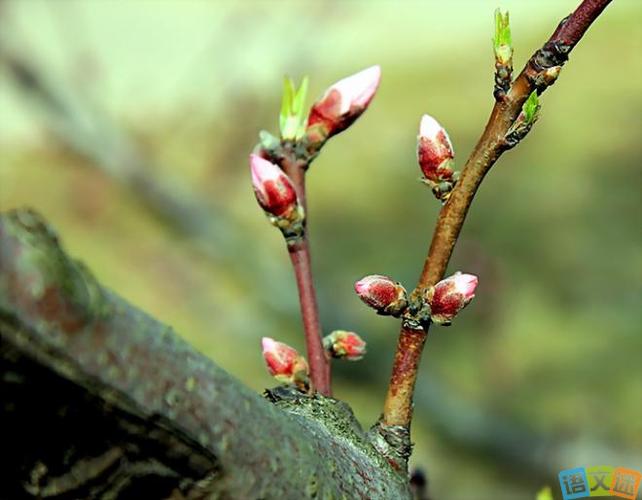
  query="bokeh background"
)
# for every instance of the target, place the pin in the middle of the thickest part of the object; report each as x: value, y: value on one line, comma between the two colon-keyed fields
x: 128, y: 125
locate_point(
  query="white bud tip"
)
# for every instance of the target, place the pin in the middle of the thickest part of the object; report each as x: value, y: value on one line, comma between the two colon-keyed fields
x: 358, y: 89
x: 263, y: 170
x: 465, y: 283
x: 429, y: 127
x: 268, y: 344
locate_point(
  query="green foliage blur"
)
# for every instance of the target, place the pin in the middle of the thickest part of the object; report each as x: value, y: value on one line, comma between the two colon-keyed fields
x: 547, y: 357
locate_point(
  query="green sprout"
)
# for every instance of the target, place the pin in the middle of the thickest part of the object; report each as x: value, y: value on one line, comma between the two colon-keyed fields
x: 292, y: 118
x: 531, y: 108
x: 503, y: 41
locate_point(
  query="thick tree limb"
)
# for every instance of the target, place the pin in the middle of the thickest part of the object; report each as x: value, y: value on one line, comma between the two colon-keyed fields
x: 101, y: 400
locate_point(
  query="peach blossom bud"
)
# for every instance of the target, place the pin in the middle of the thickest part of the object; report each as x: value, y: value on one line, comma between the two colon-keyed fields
x: 344, y: 344
x: 450, y: 296
x: 343, y: 103
x: 382, y: 293
x: 284, y: 362
x: 434, y: 151
x: 273, y: 189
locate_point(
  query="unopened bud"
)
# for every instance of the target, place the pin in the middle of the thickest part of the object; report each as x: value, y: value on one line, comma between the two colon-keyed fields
x: 291, y: 118
x: 435, y: 157
x: 524, y: 121
x: 342, y: 104
x: 450, y: 296
x: 345, y: 345
x: 277, y: 196
x: 284, y: 362
x: 273, y: 189
x: 434, y: 150
x: 382, y: 293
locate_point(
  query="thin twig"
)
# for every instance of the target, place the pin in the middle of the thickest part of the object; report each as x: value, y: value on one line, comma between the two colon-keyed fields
x: 301, y: 262
x: 554, y: 53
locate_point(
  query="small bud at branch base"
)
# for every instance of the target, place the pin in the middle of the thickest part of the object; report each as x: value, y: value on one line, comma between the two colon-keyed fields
x: 284, y: 362
x: 382, y: 293
x: 450, y: 296
x: 345, y: 345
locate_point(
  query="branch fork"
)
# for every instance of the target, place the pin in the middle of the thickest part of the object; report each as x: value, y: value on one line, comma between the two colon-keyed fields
x: 434, y: 299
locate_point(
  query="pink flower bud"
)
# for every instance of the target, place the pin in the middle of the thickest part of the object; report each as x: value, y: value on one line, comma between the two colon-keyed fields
x: 284, y: 362
x: 434, y: 151
x: 346, y: 345
x: 382, y: 293
x: 273, y: 189
x: 343, y: 103
x: 450, y: 296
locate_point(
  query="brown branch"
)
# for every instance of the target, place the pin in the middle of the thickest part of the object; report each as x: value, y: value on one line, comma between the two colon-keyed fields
x: 554, y: 53
x: 301, y: 262
x: 74, y: 357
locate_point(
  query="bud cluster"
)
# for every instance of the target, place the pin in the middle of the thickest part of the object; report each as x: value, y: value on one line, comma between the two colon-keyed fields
x: 344, y: 345
x: 439, y: 303
x: 435, y: 156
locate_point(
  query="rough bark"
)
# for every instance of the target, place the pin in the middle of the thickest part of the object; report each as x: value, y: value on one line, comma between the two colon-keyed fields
x: 100, y: 400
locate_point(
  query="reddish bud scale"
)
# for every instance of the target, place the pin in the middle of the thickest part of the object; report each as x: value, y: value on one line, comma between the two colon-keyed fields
x: 277, y: 197
x: 382, y: 293
x: 450, y: 296
x: 273, y: 189
x: 434, y: 151
x: 434, y: 158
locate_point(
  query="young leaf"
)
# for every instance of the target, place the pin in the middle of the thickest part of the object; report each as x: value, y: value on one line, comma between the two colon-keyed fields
x: 531, y: 108
x: 503, y: 40
x: 286, y: 106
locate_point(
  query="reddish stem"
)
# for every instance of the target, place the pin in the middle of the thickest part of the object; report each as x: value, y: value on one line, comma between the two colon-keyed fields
x: 404, y: 375
x: 301, y: 262
x: 319, y: 365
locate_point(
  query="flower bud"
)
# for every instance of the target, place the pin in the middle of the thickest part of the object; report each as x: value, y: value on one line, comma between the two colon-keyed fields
x: 450, y: 296
x: 434, y: 151
x: 388, y: 297
x: 344, y: 344
x: 342, y: 104
x: 284, y: 362
x: 273, y: 189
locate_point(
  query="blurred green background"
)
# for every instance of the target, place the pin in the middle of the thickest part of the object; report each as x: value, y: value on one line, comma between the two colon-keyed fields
x: 128, y: 125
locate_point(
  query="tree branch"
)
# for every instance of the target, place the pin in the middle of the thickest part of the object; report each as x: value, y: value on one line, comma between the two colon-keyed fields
x: 75, y: 356
x: 493, y: 142
x: 320, y: 372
